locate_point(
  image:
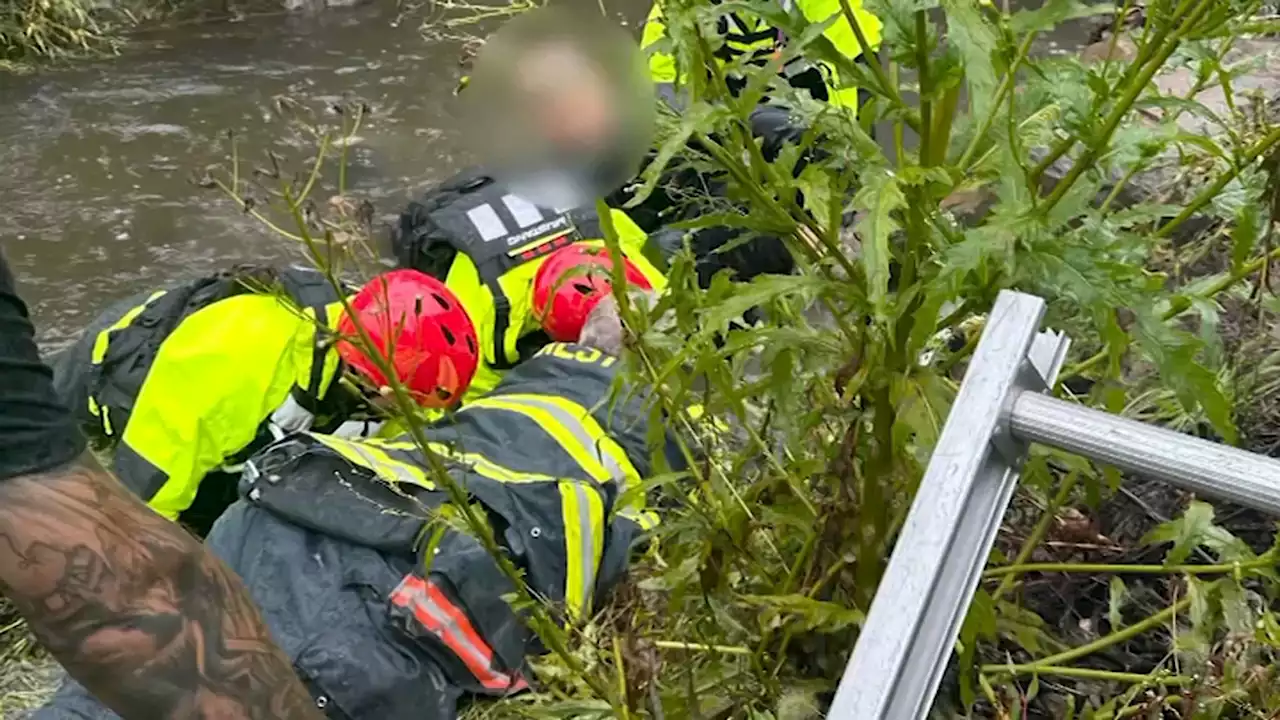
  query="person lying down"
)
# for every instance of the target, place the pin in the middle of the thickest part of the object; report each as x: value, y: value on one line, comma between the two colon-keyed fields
x: 330, y: 536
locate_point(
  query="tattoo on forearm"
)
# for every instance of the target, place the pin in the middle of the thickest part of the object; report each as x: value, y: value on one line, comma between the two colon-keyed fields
x: 135, y: 608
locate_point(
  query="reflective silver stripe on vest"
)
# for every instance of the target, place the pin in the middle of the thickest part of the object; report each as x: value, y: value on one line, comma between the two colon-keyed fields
x: 578, y: 429
x: 522, y: 211
x: 382, y: 467
x: 486, y: 222
x: 489, y: 224
x: 570, y: 424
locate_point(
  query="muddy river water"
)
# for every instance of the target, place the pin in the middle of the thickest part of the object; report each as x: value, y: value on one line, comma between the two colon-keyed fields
x: 96, y: 160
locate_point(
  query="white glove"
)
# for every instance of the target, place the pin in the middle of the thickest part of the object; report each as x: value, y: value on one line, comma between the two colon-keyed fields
x: 358, y: 429
x: 290, y: 417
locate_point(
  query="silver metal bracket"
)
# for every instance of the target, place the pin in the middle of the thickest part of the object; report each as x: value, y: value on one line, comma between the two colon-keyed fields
x: 1002, y: 407
x: 931, y: 577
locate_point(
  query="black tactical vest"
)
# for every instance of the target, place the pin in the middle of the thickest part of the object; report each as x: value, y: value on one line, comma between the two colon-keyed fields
x: 480, y: 218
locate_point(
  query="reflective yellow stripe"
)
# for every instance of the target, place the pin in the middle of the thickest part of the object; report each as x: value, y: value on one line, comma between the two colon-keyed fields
x: 582, y: 512
x: 583, y: 516
x: 575, y: 429
x: 578, y: 433
x: 103, y: 340
x: 377, y: 460
x: 610, y: 453
x: 646, y: 519
x: 479, y: 463
x: 102, y: 414
x: 560, y: 429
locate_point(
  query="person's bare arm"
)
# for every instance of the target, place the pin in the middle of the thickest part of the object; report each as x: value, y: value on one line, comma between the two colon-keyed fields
x: 134, y: 607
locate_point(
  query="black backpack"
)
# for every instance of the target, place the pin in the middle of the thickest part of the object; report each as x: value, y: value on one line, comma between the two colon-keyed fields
x: 416, y: 241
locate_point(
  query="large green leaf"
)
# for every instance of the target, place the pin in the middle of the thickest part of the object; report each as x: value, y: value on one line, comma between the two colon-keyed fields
x: 877, y: 201
x: 1055, y: 12
x: 976, y: 39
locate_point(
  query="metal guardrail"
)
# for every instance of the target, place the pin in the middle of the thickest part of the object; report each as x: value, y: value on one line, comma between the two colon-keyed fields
x: 1002, y: 407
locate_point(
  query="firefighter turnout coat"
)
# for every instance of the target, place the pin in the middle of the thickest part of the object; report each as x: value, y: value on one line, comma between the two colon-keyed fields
x: 387, y: 609
x: 553, y: 458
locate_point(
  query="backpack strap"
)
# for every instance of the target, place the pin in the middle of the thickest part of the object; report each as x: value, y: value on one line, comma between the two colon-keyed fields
x: 312, y: 290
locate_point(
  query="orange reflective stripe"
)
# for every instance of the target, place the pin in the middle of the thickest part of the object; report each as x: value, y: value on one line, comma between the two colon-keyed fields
x: 451, y: 626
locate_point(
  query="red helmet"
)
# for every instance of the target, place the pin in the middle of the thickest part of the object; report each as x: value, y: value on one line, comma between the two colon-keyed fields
x: 421, y: 328
x: 571, y: 281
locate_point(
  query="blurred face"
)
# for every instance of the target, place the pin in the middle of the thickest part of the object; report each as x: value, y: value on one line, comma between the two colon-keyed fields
x: 573, y: 106
x: 560, y: 106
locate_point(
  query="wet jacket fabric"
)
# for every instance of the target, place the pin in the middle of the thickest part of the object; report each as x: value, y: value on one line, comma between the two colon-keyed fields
x: 388, y: 615
x: 746, y: 34
x: 486, y: 244
x: 181, y: 381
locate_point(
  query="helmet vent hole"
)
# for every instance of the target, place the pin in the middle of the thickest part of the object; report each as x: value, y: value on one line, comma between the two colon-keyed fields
x: 444, y: 304
x: 417, y: 306
x: 583, y: 288
x: 448, y: 336
x: 471, y: 344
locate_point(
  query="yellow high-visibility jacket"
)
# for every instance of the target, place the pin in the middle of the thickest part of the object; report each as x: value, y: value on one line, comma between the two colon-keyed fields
x: 487, y: 244
x: 747, y: 34
x: 183, y: 383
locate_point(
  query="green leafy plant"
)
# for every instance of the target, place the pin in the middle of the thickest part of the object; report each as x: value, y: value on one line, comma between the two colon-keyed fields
x: 775, y: 544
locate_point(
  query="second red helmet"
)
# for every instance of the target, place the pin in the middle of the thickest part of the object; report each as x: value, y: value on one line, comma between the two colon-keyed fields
x: 569, y: 284
x: 420, y: 328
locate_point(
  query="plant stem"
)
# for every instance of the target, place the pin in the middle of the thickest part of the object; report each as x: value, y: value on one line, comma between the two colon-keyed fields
x: 1222, y: 568
x: 1033, y: 540
x: 887, y: 88
x: 926, y: 104
x: 1101, y: 643
x: 1091, y: 674
x: 1005, y: 85
x: 722, y: 649
x: 621, y: 672
x: 1207, y: 195
x: 874, y: 505
x: 1121, y: 109
x: 1065, y: 144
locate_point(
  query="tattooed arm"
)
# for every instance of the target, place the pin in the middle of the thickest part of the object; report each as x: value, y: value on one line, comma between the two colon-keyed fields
x: 134, y: 607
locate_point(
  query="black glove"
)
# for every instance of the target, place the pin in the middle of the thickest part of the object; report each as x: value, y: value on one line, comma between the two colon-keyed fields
x: 760, y: 255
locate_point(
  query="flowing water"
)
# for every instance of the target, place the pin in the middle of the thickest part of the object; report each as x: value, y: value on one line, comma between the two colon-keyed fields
x: 97, y: 159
